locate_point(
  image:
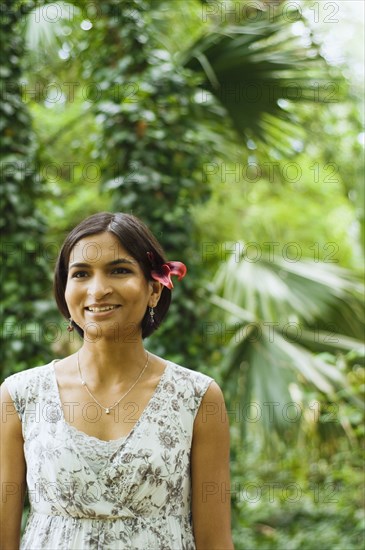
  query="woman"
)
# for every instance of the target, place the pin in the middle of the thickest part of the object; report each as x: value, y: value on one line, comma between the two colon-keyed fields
x: 119, y: 448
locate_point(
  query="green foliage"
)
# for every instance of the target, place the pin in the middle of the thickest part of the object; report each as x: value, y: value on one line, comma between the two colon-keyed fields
x: 250, y: 201
x: 24, y: 272
x: 258, y: 70
x: 295, y: 503
x: 307, y: 494
x: 278, y: 316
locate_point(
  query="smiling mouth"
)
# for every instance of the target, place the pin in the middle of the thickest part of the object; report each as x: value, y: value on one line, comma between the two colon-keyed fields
x: 95, y: 309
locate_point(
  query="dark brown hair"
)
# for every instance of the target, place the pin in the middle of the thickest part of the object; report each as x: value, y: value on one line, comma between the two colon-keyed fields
x: 136, y: 238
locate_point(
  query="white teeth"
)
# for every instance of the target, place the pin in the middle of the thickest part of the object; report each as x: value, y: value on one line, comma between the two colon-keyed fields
x: 98, y: 309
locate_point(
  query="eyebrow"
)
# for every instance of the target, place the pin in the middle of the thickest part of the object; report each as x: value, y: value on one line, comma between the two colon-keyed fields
x: 113, y: 262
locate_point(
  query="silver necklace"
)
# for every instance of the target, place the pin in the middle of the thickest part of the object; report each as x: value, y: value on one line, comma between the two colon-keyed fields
x: 108, y: 409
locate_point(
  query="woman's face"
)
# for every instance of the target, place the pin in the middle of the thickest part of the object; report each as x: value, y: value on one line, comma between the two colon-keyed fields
x: 106, y: 292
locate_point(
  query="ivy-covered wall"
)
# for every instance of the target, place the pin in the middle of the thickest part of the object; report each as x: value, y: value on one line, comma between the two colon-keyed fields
x: 25, y: 274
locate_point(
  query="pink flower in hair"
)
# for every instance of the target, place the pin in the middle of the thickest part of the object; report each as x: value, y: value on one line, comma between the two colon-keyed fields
x: 163, y: 272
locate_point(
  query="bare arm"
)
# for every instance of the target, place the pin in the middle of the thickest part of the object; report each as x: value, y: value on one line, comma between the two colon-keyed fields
x: 12, y: 473
x: 211, y: 507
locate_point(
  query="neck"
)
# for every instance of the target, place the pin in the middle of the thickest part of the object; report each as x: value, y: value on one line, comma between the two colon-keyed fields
x: 102, y: 362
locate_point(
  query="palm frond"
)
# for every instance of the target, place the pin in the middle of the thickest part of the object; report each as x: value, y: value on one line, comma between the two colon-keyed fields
x: 250, y: 69
x: 263, y: 301
x: 43, y: 24
x: 306, y: 291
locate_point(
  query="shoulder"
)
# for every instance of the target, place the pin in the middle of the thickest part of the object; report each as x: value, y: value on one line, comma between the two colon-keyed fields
x: 212, y: 420
x: 182, y: 391
x: 184, y: 375
x: 25, y: 385
x: 29, y: 376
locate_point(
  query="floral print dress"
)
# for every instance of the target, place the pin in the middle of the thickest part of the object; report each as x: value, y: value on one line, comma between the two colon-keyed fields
x: 133, y: 493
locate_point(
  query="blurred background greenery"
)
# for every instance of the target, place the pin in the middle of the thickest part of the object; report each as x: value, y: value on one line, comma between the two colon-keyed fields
x: 234, y: 130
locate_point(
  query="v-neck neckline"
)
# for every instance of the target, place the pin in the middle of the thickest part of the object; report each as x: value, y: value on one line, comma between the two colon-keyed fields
x: 123, y: 438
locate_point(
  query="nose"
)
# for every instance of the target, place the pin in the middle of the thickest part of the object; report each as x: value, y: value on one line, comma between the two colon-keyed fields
x: 98, y: 287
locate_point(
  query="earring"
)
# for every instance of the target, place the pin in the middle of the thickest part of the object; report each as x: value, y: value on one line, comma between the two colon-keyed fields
x: 152, y: 314
x: 70, y: 326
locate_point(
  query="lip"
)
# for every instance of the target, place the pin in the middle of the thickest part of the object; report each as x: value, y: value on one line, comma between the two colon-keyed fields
x: 104, y: 304
x: 101, y: 313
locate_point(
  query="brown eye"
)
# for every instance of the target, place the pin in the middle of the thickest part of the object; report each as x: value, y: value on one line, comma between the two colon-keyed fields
x: 121, y: 270
x: 78, y: 274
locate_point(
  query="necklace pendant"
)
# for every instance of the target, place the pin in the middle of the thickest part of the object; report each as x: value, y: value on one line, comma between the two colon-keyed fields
x: 107, y: 409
